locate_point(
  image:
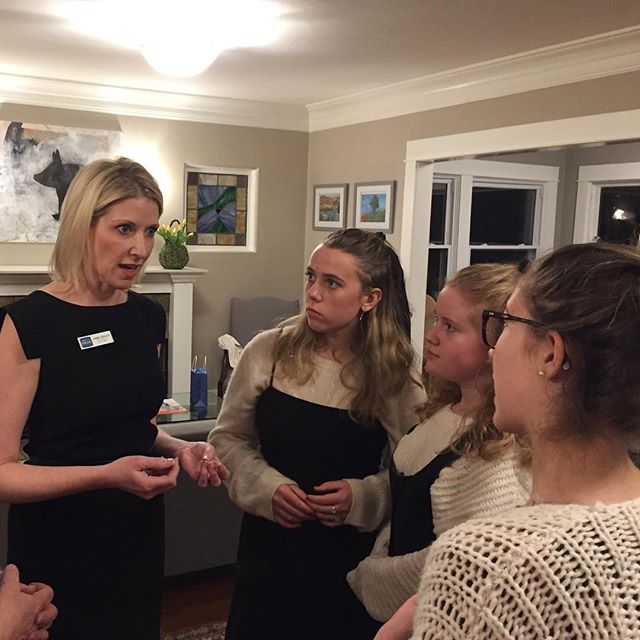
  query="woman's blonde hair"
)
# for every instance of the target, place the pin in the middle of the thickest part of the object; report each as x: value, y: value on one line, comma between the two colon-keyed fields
x: 384, y: 355
x: 483, y: 286
x: 94, y: 189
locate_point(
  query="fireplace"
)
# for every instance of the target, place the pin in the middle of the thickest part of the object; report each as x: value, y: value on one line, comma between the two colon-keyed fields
x: 21, y: 280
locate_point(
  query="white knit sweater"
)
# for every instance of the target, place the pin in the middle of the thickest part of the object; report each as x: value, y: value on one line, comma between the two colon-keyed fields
x: 470, y: 487
x: 543, y: 572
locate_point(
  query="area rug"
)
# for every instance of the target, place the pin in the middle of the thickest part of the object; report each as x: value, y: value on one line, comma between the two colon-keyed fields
x: 208, y: 632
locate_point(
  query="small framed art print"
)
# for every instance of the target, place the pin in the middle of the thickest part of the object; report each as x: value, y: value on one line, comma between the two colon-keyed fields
x: 374, y: 203
x: 329, y: 206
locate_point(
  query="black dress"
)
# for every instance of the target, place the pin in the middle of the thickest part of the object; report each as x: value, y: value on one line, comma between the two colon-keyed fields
x: 291, y: 583
x: 411, y: 515
x: 102, y: 551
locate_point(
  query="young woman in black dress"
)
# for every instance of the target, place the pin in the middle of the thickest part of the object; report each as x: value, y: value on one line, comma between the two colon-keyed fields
x: 79, y: 368
x: 308, y: 412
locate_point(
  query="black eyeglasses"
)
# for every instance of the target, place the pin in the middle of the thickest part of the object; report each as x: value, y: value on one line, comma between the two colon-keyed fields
x: 493, y: 325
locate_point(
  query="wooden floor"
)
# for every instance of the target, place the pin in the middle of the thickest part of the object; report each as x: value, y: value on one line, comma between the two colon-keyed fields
x: 197, y: 599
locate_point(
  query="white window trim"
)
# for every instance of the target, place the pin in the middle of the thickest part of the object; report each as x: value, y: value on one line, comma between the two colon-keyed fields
x: 463, y: 175
x: 451, y: 215
x: 591, y: 179
x: 541, y: 177
x: 421, y: 154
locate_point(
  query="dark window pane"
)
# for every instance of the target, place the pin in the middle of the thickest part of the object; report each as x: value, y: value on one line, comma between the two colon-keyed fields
x: 438, y: 213
x: 502, y: 216
x: 437, y: 271
x: 508, y: 256
x: 619, y: 215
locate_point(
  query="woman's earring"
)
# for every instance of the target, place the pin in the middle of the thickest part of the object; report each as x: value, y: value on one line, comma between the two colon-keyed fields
x: 541, y: 373
x: 566, y: 365
x: 361, y: 315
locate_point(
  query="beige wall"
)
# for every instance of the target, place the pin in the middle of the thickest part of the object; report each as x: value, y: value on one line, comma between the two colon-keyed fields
x: 164, y: 146
x: 376, y: 150
x: 290, y: 164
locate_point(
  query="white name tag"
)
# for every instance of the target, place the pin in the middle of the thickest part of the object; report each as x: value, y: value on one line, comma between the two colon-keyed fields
x: 95, y: 340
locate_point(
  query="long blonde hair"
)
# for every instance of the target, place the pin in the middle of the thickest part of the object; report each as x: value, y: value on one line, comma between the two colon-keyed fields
x: 482, y: 286
x: 93, y: 190
x: 383, y: 351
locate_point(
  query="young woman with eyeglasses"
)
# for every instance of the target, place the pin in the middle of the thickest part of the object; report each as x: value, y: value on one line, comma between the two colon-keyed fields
x: 455, y: 464
x: 566, y: 369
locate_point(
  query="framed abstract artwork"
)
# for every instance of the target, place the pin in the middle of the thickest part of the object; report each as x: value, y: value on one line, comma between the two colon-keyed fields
x: 329, y: 206
x: 374, y: 203
x: 37, y: 164
x: 221, y: 208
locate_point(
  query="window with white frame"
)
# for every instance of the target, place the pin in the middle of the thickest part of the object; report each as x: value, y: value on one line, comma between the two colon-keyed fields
x: 608, y: 203
x: 504, y: 217
x: 488, y: 211
x: 440, y: 234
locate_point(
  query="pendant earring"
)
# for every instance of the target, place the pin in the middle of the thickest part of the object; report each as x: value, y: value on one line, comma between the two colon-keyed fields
x: 566, y: 366
x: 361, y: 315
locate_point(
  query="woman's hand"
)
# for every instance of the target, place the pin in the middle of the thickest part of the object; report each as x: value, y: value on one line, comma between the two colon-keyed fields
x: 200, y: 461
x: 290, y: 508
x: 21, y: 607
x: 400, y: 624
x: 144, y: 476
x: 332, y: 507
x: 47, y: 615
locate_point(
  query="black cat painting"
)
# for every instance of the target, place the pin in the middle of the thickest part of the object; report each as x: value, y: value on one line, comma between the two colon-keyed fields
x: 58, y: 176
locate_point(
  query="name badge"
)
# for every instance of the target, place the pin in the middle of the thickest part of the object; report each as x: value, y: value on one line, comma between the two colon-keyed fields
x: 95, y: 340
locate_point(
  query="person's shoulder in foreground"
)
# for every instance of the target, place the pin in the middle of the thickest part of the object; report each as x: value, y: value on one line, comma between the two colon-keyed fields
x: 539, y: 572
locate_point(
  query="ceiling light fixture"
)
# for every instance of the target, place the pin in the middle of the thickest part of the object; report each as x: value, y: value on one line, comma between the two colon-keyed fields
x: 178, y: 39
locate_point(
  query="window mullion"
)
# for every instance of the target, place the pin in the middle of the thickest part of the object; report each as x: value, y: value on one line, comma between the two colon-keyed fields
x: 463, y: 249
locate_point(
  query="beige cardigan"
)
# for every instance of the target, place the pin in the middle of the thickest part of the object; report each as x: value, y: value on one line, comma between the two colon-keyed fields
x: 237, y: 441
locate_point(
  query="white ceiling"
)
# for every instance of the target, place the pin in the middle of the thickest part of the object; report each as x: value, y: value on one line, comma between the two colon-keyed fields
x: 331, y: 49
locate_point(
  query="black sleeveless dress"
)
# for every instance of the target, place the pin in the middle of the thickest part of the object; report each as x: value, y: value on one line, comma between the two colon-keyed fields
x: 292, y: 582
x: 411, y: 515
x: 101, y: 551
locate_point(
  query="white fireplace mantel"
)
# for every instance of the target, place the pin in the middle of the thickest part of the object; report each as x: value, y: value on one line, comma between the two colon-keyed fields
x: 20, y: 280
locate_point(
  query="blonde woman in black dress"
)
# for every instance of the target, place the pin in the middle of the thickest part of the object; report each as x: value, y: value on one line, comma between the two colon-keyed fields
x: 79, y: 369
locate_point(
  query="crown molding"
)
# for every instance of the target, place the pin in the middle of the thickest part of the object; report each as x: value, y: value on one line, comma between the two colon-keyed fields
x: 598, y: 56
x: 85, y: 96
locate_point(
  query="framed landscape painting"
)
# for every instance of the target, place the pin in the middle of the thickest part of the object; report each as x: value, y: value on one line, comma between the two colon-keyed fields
x: 374, y: 202
x: 329, y: 206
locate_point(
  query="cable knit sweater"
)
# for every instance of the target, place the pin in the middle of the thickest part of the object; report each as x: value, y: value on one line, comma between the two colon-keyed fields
x: 543, y: 572
x: 470, y: 487
x: 237, y: 441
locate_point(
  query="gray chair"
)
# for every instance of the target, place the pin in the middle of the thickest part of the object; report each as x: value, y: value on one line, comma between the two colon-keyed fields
x: 249, y: 316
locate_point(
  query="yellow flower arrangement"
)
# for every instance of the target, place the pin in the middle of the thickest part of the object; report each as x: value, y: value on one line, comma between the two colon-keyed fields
x: 175, y: 232
x: 174, y: 254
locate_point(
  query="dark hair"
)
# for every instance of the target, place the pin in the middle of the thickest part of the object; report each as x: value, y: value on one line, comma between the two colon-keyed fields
x: 590, y: 294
